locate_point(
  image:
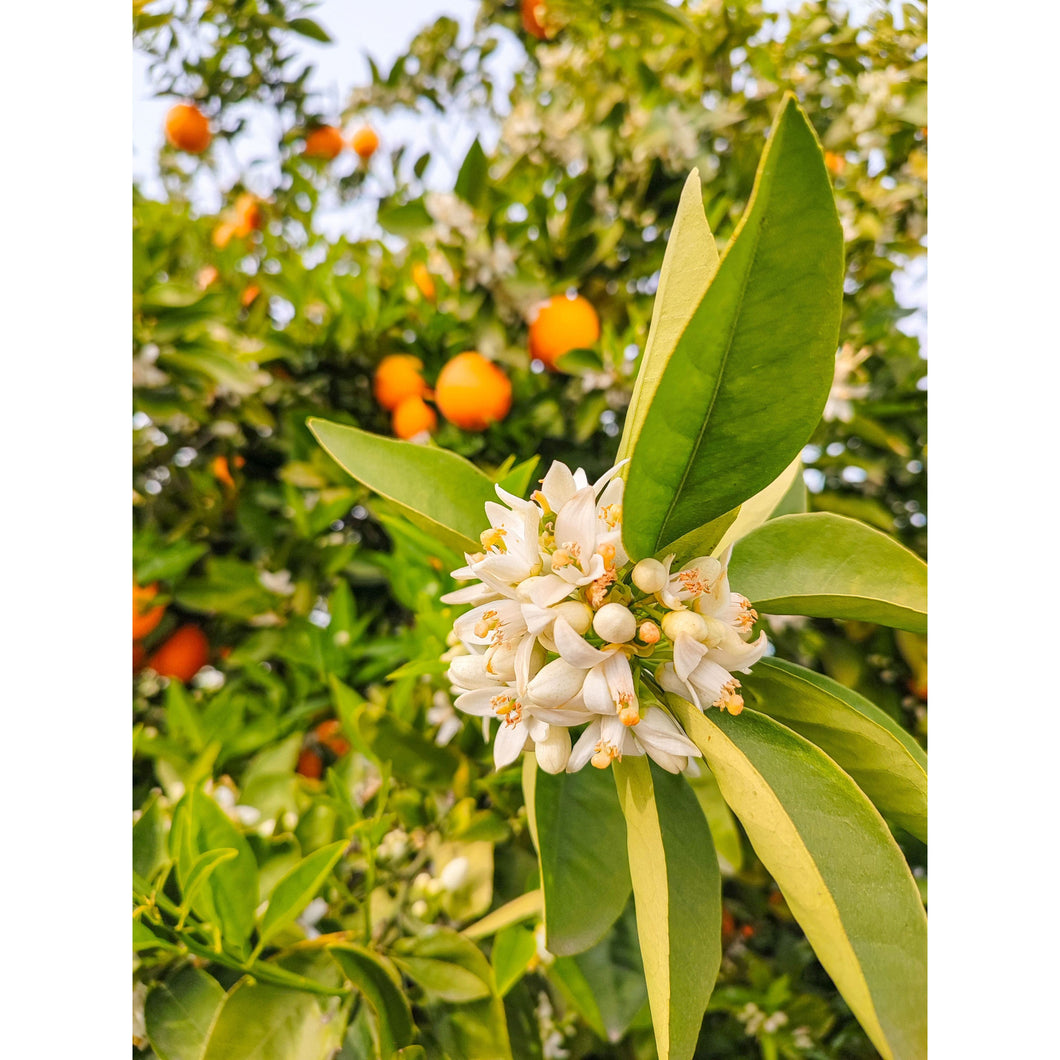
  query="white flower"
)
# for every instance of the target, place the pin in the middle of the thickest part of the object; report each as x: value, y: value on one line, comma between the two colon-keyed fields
x: 839, y: 405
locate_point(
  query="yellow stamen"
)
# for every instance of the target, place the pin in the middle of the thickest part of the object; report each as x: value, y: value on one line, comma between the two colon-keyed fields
x: 606, y: 753
x: 612, y: 514
x: 730, y: 699
x: 494, y: 539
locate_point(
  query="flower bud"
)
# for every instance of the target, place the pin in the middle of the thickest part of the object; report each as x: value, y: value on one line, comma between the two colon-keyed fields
x: 553, y: 751
x: 468, y: 671
x: 556, y: 683
x: 648, y: 633
x: 716, y: 632
x: 649, y: 575
x: 454, y: 875
x: 615, y: 623
x: 684, y: 623
x: 577, y: 614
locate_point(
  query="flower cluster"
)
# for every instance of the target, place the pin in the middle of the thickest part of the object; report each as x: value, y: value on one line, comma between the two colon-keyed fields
x: 565, y: 632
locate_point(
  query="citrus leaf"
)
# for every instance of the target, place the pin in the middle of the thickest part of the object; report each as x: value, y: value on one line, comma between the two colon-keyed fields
x: 381, y: 987
x: 677, y: 890
x: 835, y: 862
x: 580, y: 835
x: 439, y: 490
x: 514, y: 912
x: 447, y: 966
x: 828, y: 566
x: 297, y: 887
x: 179, y: 1012
x: 882, y: 758
x: 689, y: 264
x: 749, y: 376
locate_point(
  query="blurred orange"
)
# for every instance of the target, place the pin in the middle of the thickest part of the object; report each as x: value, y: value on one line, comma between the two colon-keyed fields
x: 205, y: 276
x: 250, y: 292
x: 139, y: 651
x: 534, y: 12
x: 187, y: 129
x: 247, y: 214
x: 222, y: 234
x: 329, y: 733
x: 834, y: 163
x: 473, y: 392
x: 562, y: 324
x: 145, y: 617
x: 413, y: 416
x: 423, y: 281
x: 397, y: 377
x: 325, y: 142
x: 310, y: 764
x: 365, y: 141
x: 183, y: 655
x: 222, y: 472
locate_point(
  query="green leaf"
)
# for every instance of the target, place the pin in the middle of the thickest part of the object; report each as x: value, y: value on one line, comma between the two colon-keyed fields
x: 446, y: 965
x: 229, y: 896
x: 514, y: 912
x: 472, y: 180
x: 689, y: 264
x: 835, y: 862
x: 578, y: 829
x: 381, y: 988
x: 517, y: 479
x: 828, y: 566
x: 179, y: 1012
x: 182, y: 717
x: 406, y: 219
x: 149, y: 841
x: 750, y: 374
x: 513, y: 950
x: 757, y: 509
x: 437, y: 489
x: 677, y: 889
x: 723, y: 827
x: 413, y: 757
x: 308, y: 28
x: 201, y: 870
x: 882, y: 758
x: 262, y: 1022
x: 295, y: 890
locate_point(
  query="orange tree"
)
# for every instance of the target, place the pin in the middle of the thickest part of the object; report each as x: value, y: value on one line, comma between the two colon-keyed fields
x: 280, y: 602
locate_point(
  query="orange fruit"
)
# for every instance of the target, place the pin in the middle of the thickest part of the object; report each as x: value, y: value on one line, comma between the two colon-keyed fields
x: 834, y: 163
x: 534, y: 15
x: 247, y: 214
x: 473, y: 392
x: 365, y: 141
x: 325, y: 142
x: 562, y: 324
x: 221, y: 471
x: 250, y: 292
x: 423, y: 280
x: 187, y: 129
x: 413, y: 416
x: 139, y: 651
x: 397, y: 377
x: 183, y: 655
x: 310, y: 764
x: 145, y: 617
x: 329, y: 733
x: 222, y: 234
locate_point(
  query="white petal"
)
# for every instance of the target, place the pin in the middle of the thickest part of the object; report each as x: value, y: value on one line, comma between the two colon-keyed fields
x: 556, y: 683
x: 558, y: 485
x: 667, y: 677
x: 573, y: 648
x: 735, y: 655
x: 658, y: 730
x: 687, y: 654
x: 606, y: 477
x: 596, y: 693
x: 469, y: 671
x: 549, y: 590
x: 585, y: 748
x: 470, y: 594
x: 553, y: 752
x: 576, y: 523
x: 479, y: 701
x: 509, y: 743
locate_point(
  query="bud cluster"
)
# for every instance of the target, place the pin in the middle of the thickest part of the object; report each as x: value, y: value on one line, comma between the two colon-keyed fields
x: 564, y: 632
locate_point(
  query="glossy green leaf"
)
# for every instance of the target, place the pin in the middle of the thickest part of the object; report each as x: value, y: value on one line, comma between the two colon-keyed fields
x: 414, y: 758
x: 606, y: 982
x: 884, y: 760
x: 577, y: 826
x: 516, y: 911
x: 477, y: 1030
x: 757, y: 509
x: 836, y: 863
x: 446, y: 965
x: 517, y: 479
x: 723, y: 827
x: 201, y: 870
x: 308, y: 28
x: 229, y: 896
x: 438, y: 490
x: 828, y: 566
x: 677, y: 889
x: 381, y: 987
x: 513, y: 950
x: 295, y: 890
x: 263, y: 1022
x: 179, y: 1012
x: 749, y: 377
x: 689, y: 264
x: 149, y: 840
x: 472, y: 180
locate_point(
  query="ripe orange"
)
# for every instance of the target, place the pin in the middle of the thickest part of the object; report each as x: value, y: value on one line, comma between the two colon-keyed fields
x: 562, y: 324
x: 325, y: 142
x: 423, y: 281
x: 247, y: 214
x: 250, y: 292
x: 329, y: 733
x: 187, y: 129
x: 834, y: 163
x: 183, y: 655
x: 310, y: 764
x: 398, y: 377
x: 473, y: 392
x: 145, y: 617
x: 365, y: 141
x: 534, y: 13
x: 413, y: 416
